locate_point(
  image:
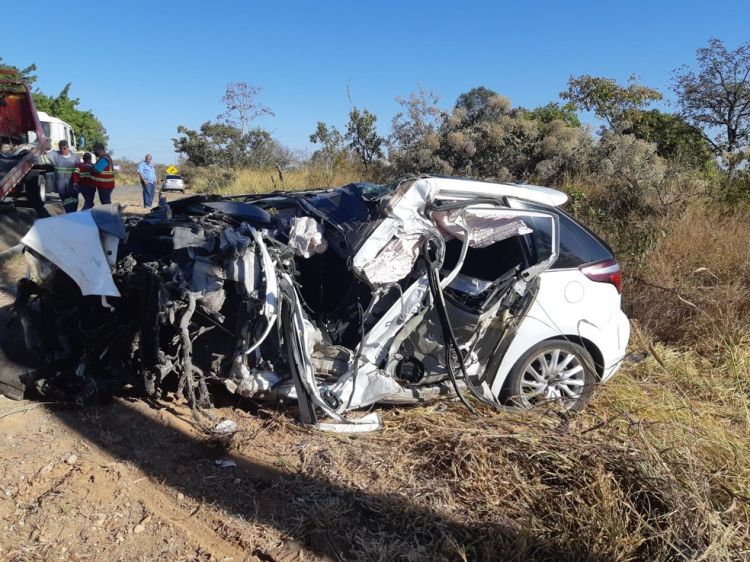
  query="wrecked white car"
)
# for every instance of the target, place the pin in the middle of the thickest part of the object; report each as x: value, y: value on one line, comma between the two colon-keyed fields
x: 335, y: 299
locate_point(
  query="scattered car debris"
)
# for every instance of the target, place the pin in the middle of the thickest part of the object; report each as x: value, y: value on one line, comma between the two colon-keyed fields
x: 333, y: 299
x: 225, y: 427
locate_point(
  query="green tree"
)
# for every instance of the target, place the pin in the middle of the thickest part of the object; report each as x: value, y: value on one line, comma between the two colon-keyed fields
x: 219, y: 144
x: 62, y: 106
x: 480, y: 104
x: 609, y: 100
x: 363, y: 137
x: 716, y: 99
x: 674, y: 138
x: 484, y: 136
x: 27, y: 73
x: 332, y: 145
x: 546, y: 114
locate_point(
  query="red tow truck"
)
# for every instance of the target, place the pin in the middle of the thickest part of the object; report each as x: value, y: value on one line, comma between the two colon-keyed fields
x: 23, y: 143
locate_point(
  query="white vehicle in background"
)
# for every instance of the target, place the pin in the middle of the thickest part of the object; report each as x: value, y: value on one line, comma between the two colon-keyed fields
x: 173, y: 182
x: 56, y: 130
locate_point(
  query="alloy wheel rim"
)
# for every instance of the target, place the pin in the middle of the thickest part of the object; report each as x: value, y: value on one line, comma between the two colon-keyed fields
x: 556, y: 375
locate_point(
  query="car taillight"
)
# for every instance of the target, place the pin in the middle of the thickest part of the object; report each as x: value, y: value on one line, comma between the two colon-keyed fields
x: 607, y: 271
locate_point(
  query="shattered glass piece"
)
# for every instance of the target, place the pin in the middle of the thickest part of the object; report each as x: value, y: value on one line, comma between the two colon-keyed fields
x: 306, y: 237
x: 469, y: 285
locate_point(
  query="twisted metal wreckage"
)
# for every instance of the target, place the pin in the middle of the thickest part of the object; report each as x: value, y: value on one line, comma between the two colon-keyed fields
x: 337, y: 299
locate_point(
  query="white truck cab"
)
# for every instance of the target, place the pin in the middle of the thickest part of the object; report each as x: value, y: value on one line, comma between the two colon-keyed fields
x: 57, y: 130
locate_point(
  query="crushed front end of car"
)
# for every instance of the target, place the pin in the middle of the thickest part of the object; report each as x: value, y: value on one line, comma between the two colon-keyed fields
x: 335, y: 299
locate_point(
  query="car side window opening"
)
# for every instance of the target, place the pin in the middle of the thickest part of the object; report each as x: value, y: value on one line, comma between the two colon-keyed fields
x: 486, y: 264
x: 578, y: 246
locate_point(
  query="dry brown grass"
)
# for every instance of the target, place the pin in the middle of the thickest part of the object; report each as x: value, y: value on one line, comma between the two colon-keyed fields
x: 264, y: 181
x: 656, y: 469
x: 694, y: 287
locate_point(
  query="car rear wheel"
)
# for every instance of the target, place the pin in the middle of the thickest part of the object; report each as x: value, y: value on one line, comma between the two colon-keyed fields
x: 553, y: 372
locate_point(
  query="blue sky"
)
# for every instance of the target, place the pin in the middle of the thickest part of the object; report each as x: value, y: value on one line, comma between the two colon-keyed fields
x: 146, y: 67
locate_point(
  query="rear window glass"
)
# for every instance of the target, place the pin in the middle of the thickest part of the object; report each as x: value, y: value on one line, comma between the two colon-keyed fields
x: 578, y: 245
x: 174, y: 177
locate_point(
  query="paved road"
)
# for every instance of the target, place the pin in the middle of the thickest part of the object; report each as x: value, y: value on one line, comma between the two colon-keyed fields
x: 16, y: 221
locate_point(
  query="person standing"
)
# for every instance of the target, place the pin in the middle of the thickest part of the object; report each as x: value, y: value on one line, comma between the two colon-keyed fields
x: 103, y: 174
x: 83, y: 181
x: 64, y: 161
x: 147, y: 173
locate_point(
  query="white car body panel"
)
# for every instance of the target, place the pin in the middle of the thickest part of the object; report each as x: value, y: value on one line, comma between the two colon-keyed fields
x: 460, y: 189
x: 570, y: 304
x: 74, y: 244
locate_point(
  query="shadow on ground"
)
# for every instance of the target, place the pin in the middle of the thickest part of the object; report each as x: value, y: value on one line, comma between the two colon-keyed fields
x: 299, y: 505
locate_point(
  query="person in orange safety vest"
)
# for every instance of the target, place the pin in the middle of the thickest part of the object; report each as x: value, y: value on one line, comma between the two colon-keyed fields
x: 103, y: 174
x: 83, y: 182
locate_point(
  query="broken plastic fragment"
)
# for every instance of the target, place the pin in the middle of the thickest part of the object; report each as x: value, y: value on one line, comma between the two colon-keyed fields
x: 368, y: 422
x: 225, y: 426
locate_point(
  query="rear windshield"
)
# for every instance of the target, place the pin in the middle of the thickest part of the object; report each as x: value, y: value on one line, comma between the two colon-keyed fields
x: 578, y: 245
x: 174, y: 177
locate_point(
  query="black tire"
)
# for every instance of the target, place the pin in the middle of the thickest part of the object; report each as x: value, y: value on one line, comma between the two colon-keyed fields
x: 35, y: 188
x: 548, y: 374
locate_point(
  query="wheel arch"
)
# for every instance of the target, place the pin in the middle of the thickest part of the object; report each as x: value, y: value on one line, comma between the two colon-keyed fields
x: 589, y: 346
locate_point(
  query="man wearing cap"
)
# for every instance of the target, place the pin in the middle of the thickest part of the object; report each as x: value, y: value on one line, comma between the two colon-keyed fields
x: 64, y: 162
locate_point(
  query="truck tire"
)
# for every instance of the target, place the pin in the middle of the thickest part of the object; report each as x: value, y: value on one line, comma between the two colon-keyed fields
x: 35, y: 188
